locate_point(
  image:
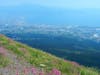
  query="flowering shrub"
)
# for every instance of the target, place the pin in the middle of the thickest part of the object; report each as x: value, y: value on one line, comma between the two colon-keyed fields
x: 35, y: 71
x: 55, y: 72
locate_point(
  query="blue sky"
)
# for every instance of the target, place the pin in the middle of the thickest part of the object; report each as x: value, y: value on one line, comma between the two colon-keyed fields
x: 71, y: 12
x: 54, y: 3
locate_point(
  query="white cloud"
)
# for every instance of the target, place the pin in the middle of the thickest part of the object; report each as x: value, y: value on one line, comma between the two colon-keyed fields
x: 95, y: 35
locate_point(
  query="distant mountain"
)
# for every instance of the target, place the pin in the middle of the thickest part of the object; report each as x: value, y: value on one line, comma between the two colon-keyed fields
x: 18, y: 59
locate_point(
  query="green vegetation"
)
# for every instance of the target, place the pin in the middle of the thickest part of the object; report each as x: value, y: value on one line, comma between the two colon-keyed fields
x: 3, y: 61
x: 37, y: 57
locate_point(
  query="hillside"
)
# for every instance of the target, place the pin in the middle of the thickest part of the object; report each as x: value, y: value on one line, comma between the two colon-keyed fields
x: 20, y: 59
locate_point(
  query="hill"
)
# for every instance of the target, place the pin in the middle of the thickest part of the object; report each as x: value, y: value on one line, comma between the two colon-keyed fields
x: 19, y: 59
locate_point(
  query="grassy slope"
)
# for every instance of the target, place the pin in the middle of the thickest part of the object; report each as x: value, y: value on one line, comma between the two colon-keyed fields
x: 36, y: 57
x: 3, y: 61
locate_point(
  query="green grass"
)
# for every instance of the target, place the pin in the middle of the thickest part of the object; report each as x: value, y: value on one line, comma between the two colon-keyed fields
x: 3, y: 61
x: 36, y: 57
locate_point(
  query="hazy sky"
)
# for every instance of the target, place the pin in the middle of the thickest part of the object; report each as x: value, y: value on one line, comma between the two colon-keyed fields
x: 54, y: 3
x: 71, y: 12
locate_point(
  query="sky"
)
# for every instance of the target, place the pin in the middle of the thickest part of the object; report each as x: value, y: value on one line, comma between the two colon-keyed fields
x: 69, y: 12
x: 54, y: 3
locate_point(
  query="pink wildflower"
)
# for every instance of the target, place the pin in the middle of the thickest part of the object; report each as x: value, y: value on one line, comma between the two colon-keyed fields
x: 17, y: 73
x: 56, y: 72
x: 26, y: 71
x: 75, y: 64
x: 41, y: 73
x: 34, y: 71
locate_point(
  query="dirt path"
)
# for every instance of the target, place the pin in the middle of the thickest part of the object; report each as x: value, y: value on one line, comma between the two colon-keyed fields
x: 15, y: 66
